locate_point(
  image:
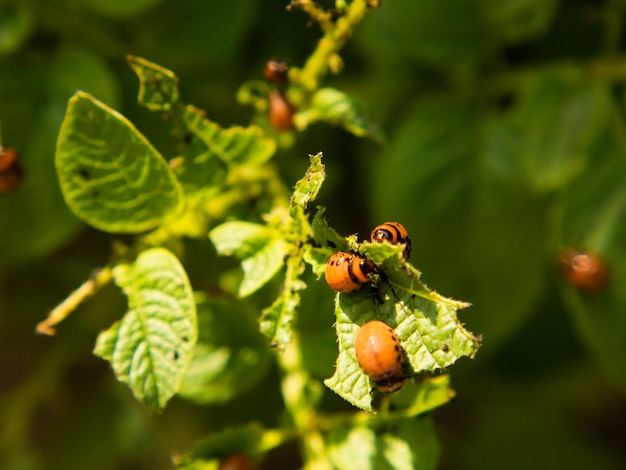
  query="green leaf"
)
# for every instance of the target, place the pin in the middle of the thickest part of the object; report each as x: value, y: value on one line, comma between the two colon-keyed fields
x: 338, y: 109
x: 36, y: 212
x: 110, y: 175
x: 261, y: 249
x: 307, y: 188
x: 557, y: 124
x: 276, y: 320
x: 404, y: 444
x: 158, y: 87
x: 230, y: 356
x: 151, y: 347
x: 594, y: 219
x: 453, y: 180
x: 235, y: 145
x: 426, y: 323
x: 246, y: 440
x: 518, y: 20
x: 16, y: 25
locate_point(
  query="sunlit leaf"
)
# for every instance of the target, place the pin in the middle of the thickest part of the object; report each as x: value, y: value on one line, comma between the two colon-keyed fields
x: 235, y: 145
x: 151, y: 347
x: 110, y: 175
x: 158, y: 87
x: 260, y: 248
x: 426, y: 323
x: 307, y: 189
x: 407, y: 444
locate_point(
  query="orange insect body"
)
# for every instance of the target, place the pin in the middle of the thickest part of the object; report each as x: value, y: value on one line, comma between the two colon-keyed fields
x: 394, y: 233
x: 238, y: 462
x: 276, y: 71
x: 280, y: 111
x: 380, y: 355
x: 11, y: 172
x: 585, y: 271
x: 346, y: 272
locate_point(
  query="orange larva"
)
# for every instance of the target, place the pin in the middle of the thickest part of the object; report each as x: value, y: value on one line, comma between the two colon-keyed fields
x: 346, y: 272
x: 237, y: 462
x: 380, y: 355
x: 11, y: 172
x: 585, y: 271
x: 276, y: 71
x: 393, y: 232
x: 280, y: 111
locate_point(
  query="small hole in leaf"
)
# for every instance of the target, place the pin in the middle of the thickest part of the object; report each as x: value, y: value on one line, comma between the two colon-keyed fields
x: 185, y: 339
x: 175, y: 355
x: 84, y: 174
x: 95, y: 194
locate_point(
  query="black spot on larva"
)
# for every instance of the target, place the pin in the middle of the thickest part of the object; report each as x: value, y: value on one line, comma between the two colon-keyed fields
x: 397, y: 347
x: 331, y: 244
x: 399, y: 358
x: 84, y: 174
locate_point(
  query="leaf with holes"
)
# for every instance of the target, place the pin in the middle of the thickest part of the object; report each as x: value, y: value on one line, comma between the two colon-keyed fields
x: 151, y: 347
x: 307, y: 189
x: 425, y: 322
x: 235, y: 145
x: 110, y: 175
x: 158, y: 87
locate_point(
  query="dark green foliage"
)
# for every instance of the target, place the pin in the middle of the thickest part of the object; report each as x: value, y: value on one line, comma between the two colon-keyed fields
x: 494, y: 131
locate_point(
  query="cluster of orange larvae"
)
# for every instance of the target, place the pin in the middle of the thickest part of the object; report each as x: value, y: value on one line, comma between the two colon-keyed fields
x: 376, y: 345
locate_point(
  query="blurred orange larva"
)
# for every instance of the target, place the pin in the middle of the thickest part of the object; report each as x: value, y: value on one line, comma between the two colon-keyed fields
x: 585, y: 271
x: 276, y: 71
x: 11, y: 172
x: 237, y: 462
x: 280, y: 111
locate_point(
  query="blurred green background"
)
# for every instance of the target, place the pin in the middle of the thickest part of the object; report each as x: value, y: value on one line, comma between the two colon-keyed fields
x: 505, y: 141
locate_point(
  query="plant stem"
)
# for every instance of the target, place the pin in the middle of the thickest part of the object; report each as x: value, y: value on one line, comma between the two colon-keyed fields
x: 97, y: 281
x: 325, y: 55
x: 300, y: 393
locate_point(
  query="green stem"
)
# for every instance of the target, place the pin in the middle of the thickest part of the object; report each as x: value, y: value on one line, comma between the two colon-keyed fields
x: 97, y: 281
x: 300, y: 394
x: 335, y: 36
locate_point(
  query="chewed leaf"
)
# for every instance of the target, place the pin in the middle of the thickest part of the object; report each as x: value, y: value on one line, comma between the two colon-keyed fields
x: 425, y: 322
x: 337, y: 108
x: 236, y: 145
x: 158, y: 87
x: 110, y: 175
x: 307, y: 189
x: 277, y: 318
x: 151, y: 347
x: 260, y: 248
